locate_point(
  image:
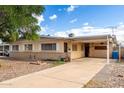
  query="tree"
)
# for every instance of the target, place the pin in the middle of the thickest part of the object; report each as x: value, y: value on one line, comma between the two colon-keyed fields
x: 19, y: 21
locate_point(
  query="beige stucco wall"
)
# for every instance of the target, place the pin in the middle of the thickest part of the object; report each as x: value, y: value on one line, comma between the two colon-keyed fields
x: 77, y: 54
x: 37, y: 45
x: 37, y: 52
x: 99, y: 53
x: 122, y: 52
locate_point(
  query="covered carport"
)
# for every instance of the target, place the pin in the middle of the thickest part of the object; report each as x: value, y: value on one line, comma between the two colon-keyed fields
x: 99, y: 40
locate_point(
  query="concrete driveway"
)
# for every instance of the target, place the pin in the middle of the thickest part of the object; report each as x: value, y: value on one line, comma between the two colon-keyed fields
x: 74, y: 74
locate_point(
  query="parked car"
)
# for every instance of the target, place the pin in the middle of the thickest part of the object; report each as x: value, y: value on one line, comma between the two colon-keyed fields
x: 6, y: 53
x: 1, y: 53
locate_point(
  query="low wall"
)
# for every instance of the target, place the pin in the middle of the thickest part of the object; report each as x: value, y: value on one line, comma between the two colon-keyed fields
x: 37, y: 55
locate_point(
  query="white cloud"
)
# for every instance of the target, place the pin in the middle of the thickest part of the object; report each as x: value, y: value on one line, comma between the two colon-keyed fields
x: 87, y: 30
x: 54, y: 16
x: 61, y: 34
x: 39, y: 18
x: 121, y: 23
x: 43, y: 29
x: 86, y: 24
x: 120, y: 32
x: 74, y: 20
x: 71, y: 8
x: 84, y: 31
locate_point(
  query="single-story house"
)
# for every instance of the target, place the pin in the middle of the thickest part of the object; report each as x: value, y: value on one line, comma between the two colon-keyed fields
x: 55, y: 48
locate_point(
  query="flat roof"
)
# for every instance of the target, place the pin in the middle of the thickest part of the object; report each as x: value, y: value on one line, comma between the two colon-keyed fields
x: 78, y: 37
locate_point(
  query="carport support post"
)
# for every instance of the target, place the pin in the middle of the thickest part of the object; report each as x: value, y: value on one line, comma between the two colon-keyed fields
x: 120, y: 52
x: 108, y: 61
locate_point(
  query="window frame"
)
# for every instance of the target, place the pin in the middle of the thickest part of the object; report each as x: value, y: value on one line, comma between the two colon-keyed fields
x: 100, y: 47
x: 27, y: 47
x: 17, y: 49
x: 50, y: 46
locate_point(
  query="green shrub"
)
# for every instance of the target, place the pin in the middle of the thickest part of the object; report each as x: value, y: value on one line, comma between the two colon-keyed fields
x: 59, y: 62
x: 61, y: 59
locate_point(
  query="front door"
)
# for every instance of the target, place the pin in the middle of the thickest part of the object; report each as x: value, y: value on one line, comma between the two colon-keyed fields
x: 65, y: 47
x: 86, y: 45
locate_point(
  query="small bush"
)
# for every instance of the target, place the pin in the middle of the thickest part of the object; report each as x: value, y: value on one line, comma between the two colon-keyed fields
x: 59, y: 62
x: 61, y: 59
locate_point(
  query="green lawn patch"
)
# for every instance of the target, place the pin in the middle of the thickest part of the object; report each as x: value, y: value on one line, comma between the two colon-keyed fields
x: 56, y: 63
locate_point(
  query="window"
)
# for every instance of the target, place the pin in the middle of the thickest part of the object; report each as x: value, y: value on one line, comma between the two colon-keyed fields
x: 28, y: 47
x: 1, y: 48
x: 6, y: 47
x: 50, y: 46
x: 100, y: 47
x: 74, y: 47
x: 15, y: 47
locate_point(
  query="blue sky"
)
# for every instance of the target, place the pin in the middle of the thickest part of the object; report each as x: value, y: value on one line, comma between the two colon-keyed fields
x: 64, y: 19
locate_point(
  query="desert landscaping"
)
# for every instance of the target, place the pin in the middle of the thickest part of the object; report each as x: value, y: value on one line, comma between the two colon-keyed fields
x: 11, y: 68
x: 110, y: 76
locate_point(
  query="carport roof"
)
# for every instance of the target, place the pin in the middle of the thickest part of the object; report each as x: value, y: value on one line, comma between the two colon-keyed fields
x: 93, y: 37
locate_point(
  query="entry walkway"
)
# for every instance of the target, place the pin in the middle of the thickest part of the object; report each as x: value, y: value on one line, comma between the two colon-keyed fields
x: 71, y: 75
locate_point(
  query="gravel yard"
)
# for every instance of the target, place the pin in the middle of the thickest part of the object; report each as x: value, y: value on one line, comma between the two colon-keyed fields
x: 10, y: 68
x: 111, y: 76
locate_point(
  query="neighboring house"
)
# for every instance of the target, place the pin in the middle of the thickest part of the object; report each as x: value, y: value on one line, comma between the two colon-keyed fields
x: 121, y: 49
x: 55, y: 48
x: 122, y: 52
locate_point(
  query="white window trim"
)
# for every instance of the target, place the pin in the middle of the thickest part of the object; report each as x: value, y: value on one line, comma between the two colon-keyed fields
x: 48, y: 43
x: 15, y: 50
x: 28, y: 44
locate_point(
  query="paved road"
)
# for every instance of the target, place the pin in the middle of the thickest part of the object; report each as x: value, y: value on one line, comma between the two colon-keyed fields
x: 71, y: 75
